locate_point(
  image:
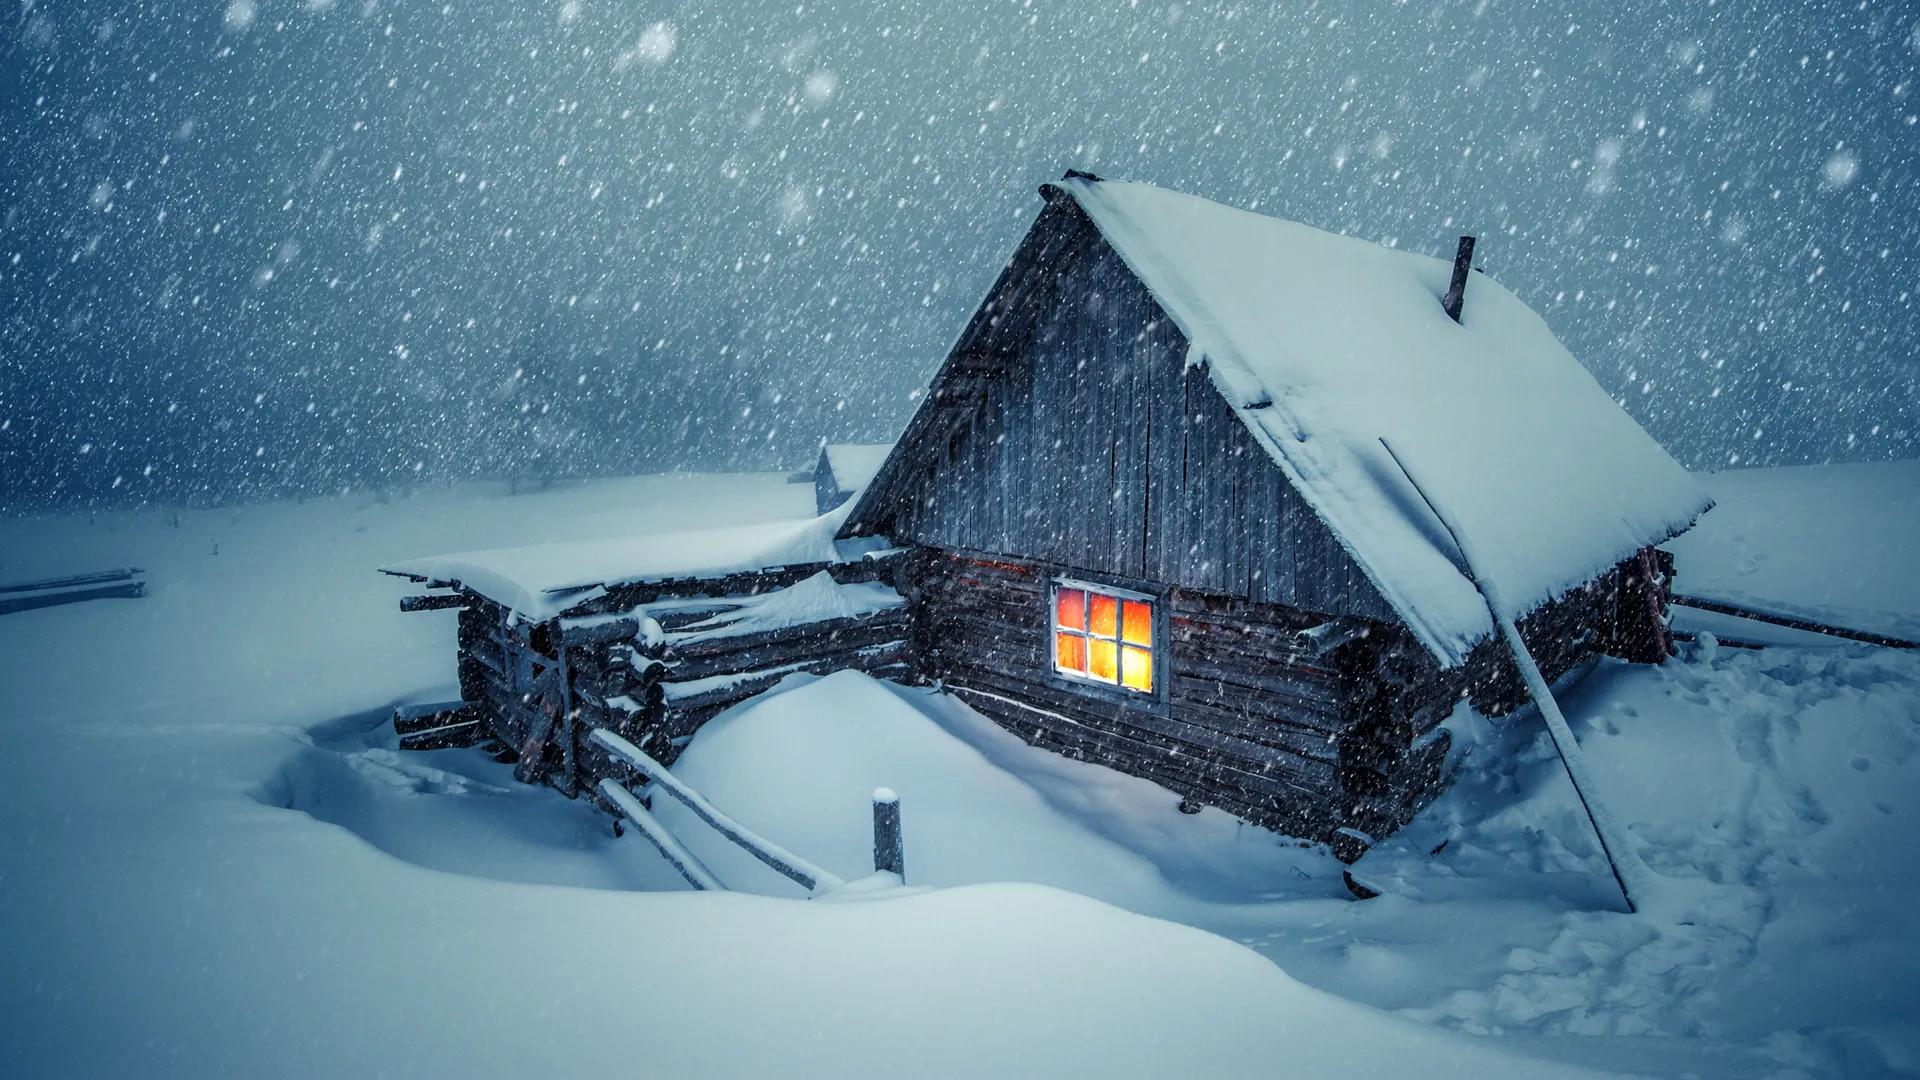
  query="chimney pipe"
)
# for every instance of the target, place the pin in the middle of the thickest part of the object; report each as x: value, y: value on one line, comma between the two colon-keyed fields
x: 1457, y: 291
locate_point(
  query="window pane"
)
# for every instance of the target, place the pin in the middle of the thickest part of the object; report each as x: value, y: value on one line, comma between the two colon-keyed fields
x: 1137, y: 618
x: 1102, y: 663
x: 1106, y: 615
x: 1070, y: 609
x: 1136, y: 669
x: 1070, y: 652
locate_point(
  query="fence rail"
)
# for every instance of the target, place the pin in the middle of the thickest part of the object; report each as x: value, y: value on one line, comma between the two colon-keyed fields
x: 1793, y: 622
x: 125, y: 583
x: 685, y: 861
x: 800, y: 871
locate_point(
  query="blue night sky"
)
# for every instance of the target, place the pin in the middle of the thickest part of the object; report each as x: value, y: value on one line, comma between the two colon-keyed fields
x: 259, y: 247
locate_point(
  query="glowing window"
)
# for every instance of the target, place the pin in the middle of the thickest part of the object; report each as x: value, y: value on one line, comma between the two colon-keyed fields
x: 1103, y: 635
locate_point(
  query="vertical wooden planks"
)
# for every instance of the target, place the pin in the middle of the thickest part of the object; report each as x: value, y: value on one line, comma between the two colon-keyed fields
x: 1095, y: 446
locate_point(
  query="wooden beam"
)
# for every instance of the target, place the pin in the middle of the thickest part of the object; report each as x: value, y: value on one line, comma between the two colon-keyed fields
x: 408, y: 719
x: 1629, y: 872
x: 465, y: 733
x: 676, y: 854
x: 786, y: 863
x: 1794, y: 622
x: 75, y: 581
x: 600, y: 633
x: 438, y: 602
x: 53, y: 592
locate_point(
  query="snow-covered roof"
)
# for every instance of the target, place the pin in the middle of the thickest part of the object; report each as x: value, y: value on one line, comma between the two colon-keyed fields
x: 1325, y: 344
x: 853, y: 465
x: 542, y: 580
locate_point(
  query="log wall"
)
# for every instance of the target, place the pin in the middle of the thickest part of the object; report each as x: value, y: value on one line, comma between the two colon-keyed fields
x: 1304, y: 733
x: 653, y: 675
x: 1251, y: 715
x: 1248, y: 716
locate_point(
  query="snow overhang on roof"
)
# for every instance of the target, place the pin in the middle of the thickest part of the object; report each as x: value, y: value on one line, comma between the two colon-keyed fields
x: 854, y: 464
x: 1325, y: 344
x: 540, y: 581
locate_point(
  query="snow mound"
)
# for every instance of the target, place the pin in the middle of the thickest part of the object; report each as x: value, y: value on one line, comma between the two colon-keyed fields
x: 1324, y: 344
x: 801, y: 764
x: 1772, y: 791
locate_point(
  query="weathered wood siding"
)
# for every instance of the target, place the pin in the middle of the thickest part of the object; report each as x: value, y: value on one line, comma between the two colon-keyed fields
x: 1068, y: 427
x: 1249, y: 715
x: 1250, y: 718
x: 652, y: 678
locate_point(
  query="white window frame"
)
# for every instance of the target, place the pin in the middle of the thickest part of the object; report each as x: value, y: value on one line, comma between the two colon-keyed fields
x: 1152, y: 646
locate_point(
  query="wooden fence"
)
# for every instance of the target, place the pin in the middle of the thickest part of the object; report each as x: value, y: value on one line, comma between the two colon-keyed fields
x: 887, y: 852
x: 126, y: 583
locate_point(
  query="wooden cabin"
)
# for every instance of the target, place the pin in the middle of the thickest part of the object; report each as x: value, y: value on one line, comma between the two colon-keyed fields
x: 1151, y: 513
x: 844, y: 470
x: 647, y: 637
x: 1154, y: 523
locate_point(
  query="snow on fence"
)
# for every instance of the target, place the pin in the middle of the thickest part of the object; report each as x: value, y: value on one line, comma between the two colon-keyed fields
x: 1792, y: 622
x: 685, y: 861
x: 126, y: 583
x: 887, y: 846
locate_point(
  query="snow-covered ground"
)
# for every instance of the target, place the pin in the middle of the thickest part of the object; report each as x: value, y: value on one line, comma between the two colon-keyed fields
x: 217, y: 865
x: 1831, y: 543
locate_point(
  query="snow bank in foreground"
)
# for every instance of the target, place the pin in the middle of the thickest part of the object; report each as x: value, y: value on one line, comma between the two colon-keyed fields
x: 1774, y: 792
x: 217, y: 865
x: 1833, y: 543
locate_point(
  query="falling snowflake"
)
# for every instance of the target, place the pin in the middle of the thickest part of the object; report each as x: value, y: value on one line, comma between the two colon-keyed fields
x: 821, y: 85
x: 655, y: 47
x: 240, y: 15
x: 1840, y: 170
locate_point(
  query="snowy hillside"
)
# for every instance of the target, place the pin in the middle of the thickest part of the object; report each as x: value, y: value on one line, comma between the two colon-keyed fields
x: 219, y: 866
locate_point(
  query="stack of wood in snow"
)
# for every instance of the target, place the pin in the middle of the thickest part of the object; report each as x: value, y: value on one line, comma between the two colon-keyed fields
x: 651, y: 662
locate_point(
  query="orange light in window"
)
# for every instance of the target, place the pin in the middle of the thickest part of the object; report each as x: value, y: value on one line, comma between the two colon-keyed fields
x: 1070, y: 610
x: 1105, y: 612
x: 1103, y: 636
x: 1070, y: 652
x: 1102, y: 663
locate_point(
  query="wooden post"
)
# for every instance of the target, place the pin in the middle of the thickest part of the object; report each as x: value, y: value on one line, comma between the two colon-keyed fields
x: 1457, y: 291
x: 889, y: 856
x: 1633, y: 877
x: 569, y: 713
